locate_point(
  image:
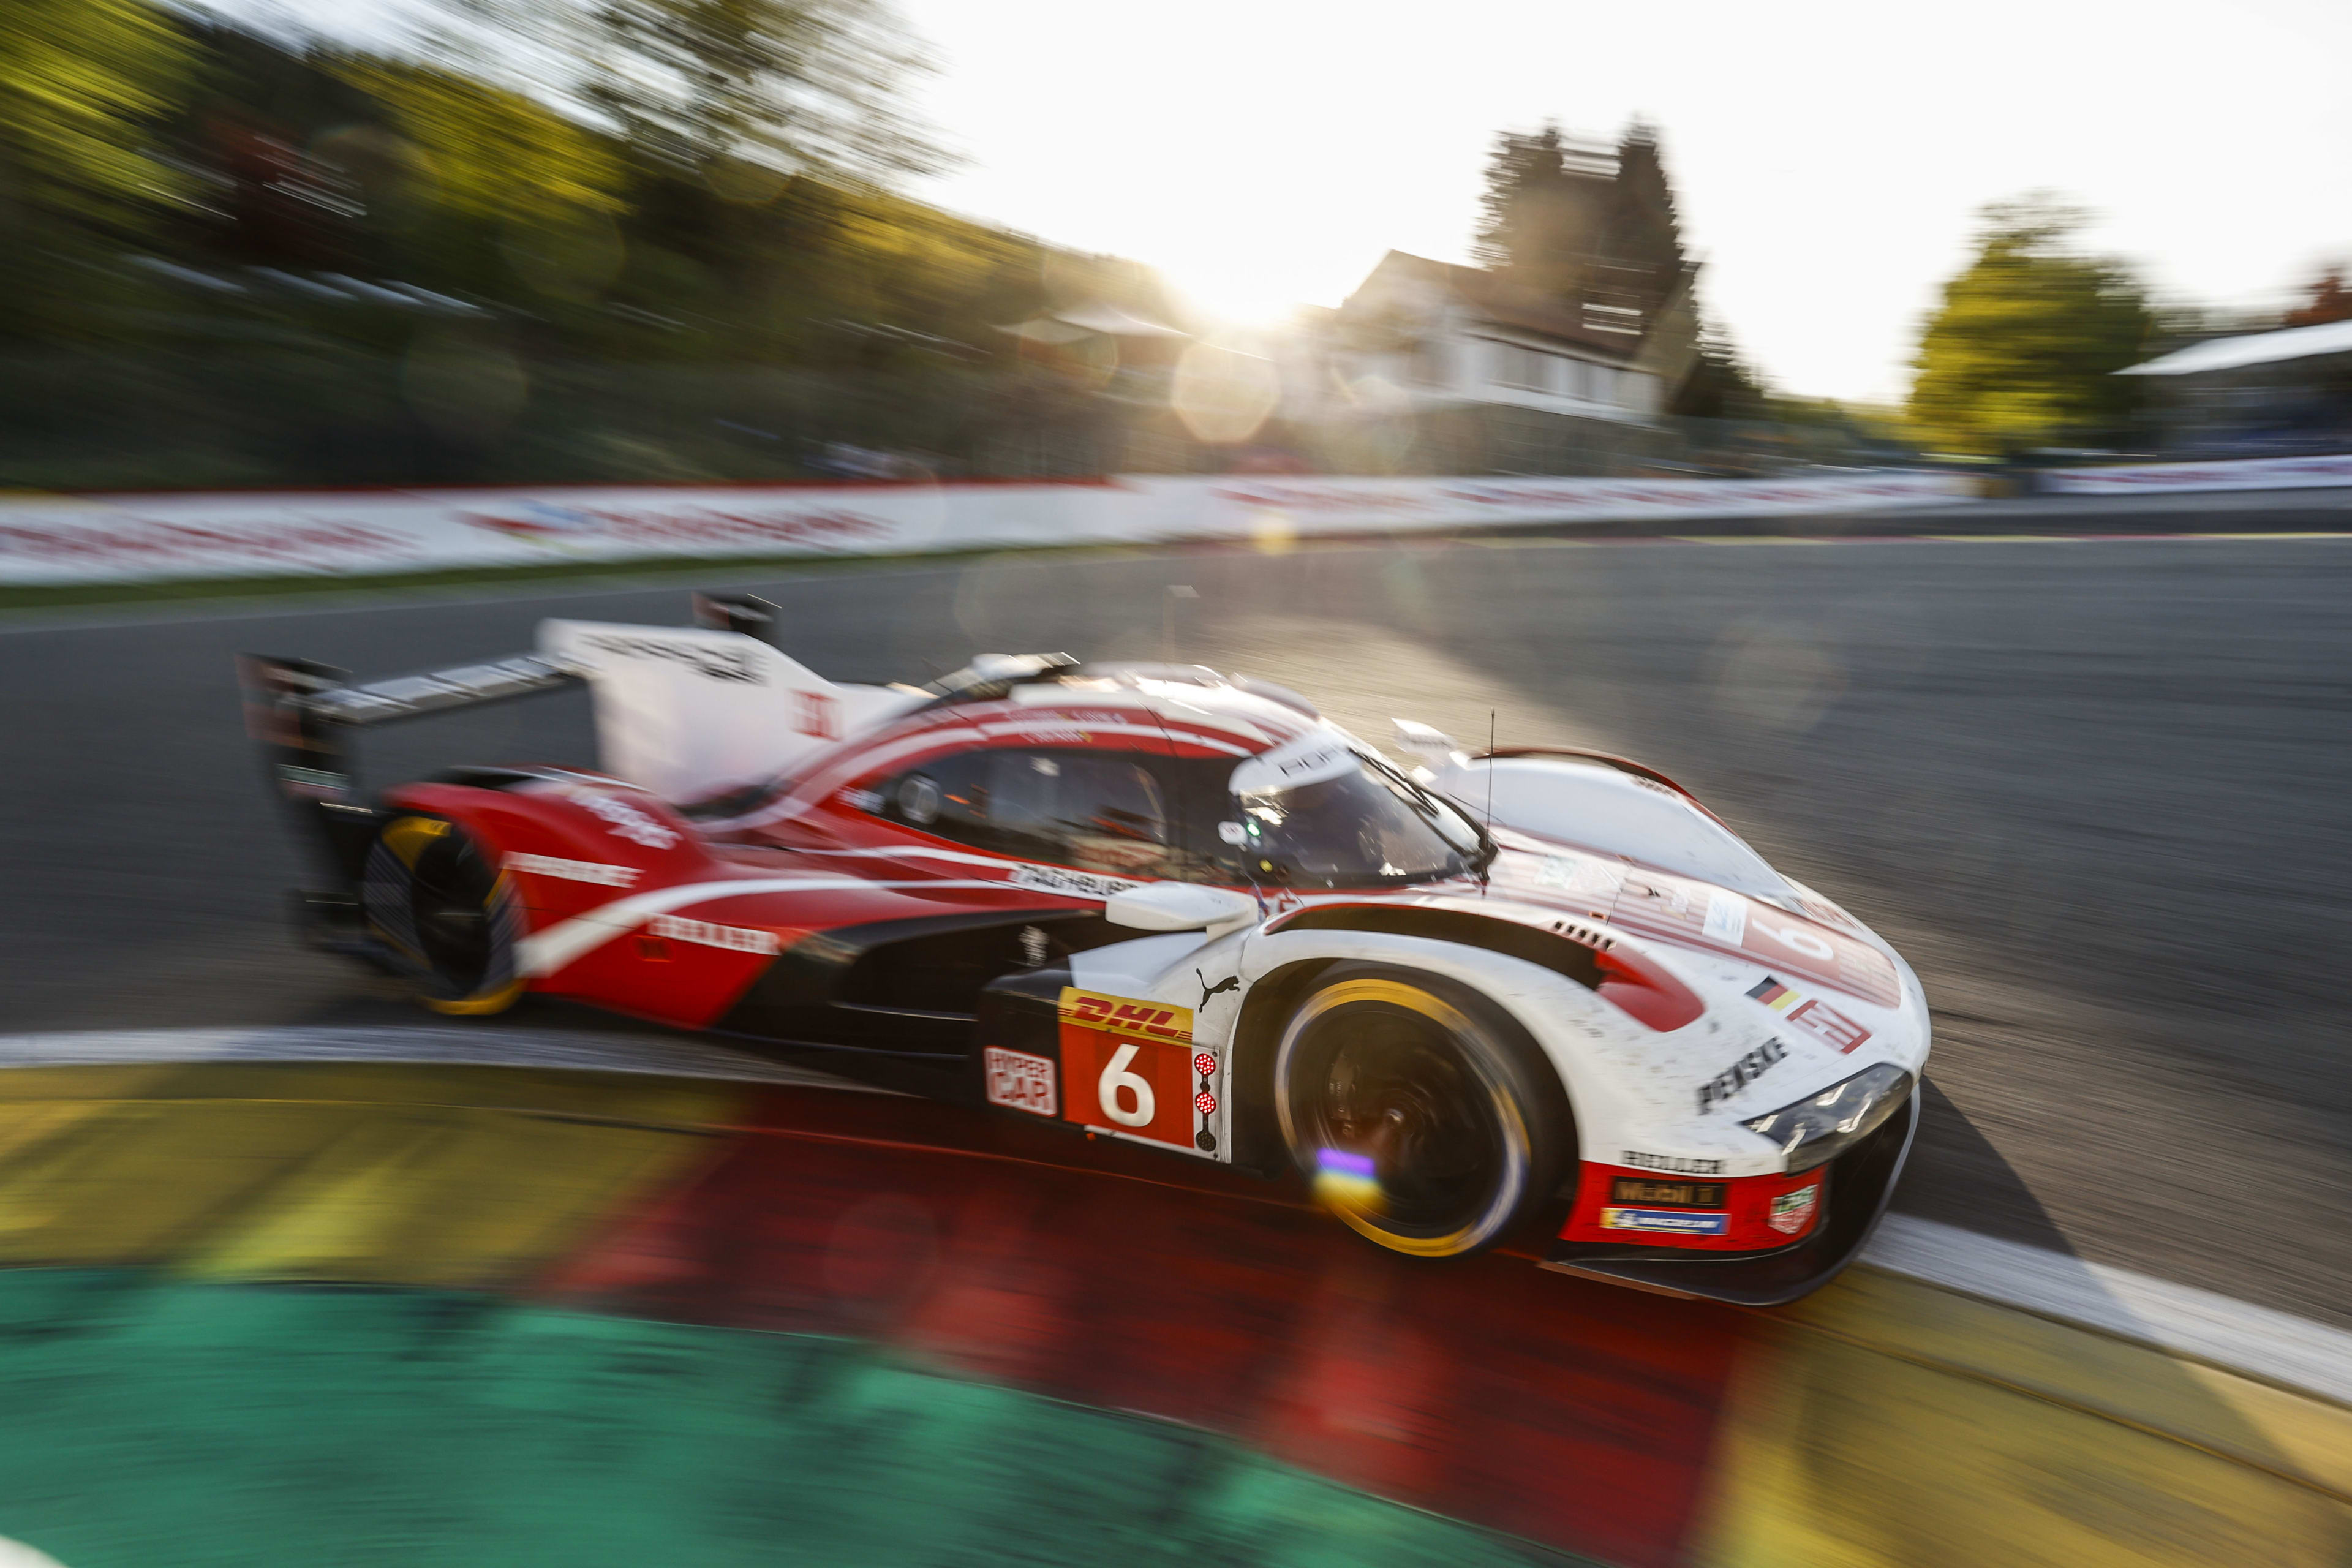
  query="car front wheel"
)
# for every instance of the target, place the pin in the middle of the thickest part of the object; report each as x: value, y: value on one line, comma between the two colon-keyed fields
x: 1426, y: 1119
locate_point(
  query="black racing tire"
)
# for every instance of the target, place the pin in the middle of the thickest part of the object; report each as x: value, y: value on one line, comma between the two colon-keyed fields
x: 446, y: 914
x: 1426, y: 1118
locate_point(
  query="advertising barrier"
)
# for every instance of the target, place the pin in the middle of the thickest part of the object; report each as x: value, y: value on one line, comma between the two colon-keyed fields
x: 161, y: 537
x: 2239, y: 474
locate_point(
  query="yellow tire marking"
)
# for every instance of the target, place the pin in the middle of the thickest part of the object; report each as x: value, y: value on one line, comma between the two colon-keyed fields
x: 408, y: 837
x: 1362, y: 1219
x: 1884, y: 1422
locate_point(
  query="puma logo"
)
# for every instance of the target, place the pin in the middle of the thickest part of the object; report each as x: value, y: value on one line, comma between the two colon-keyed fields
x: 1230, y: 983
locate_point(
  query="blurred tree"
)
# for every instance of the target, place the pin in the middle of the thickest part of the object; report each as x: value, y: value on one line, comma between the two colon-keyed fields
x: 80, y: 83
x: 1642, y: 262
x: 809, y: 87
x: 1517, y: 210
x: 2329, y: 301
x: 1721, y: 385
x: 1592, y: 226
x: 482, y: 151
x: 2024, y: 348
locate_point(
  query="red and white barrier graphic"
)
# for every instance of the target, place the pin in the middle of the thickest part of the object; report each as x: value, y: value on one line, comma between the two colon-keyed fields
x: 2242, y: 474
x: 80, y: 539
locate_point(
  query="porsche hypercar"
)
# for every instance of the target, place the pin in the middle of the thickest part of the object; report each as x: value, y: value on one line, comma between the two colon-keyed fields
x: 1539, y: 998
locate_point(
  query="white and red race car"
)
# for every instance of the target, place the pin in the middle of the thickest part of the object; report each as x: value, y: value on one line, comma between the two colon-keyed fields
x: 1541, y: 995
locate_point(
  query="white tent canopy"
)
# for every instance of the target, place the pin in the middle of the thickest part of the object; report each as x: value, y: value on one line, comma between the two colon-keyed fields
x: 1091, y: 321
x: 2256, y: 347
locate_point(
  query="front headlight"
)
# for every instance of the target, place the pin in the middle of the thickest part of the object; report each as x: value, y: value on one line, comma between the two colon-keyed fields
x: 1820, y: 1127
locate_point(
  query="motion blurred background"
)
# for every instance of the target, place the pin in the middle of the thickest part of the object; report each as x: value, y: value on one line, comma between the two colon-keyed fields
x: 397, y: 241
x: 628, y: 1298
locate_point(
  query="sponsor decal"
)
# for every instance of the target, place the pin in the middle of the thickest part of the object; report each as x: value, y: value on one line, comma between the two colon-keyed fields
x: 716, y: 660
x: 820, y: 714
x: 1147, y: 1076
x: 1727, y: 1083
x: 1311, y: 759
x: 533, y: 520
x: 1828, y: 913
x: 1125, y: 1016
x: 869, y: 801
x: 1210, y: 992
x: 735, y: 939
x: 548, y: 523
x: 1685, y: 910
x: 1668, y: 1194
x: 623, y: 820
x: 1584, y: 877
x: 1302, y: 763
x: 1020, y: 1080
x: 1727, y: 919
x: 574, y: 870
x: 1810, y: 1014
x: 314, y: 783
x: 1791, y: 1212
x: 1673, y: 1163
x: 1678, y: 1221
x: 1067, y: 883
x: 124, y: 540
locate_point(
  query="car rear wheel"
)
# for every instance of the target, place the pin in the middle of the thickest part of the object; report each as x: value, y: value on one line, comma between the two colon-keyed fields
x: 1425, y: 1117
x: 433, y: 899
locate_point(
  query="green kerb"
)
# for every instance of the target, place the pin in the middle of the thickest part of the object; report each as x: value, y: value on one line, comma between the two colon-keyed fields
x: 159, y: 1424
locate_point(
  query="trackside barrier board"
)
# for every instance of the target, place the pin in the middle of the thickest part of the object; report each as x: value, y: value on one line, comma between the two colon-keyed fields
x: 164, y: 537
x: 2242, y: 474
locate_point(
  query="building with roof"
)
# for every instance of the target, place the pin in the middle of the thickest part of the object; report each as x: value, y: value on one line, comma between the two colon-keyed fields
x: 1484, y: 374
x: 2284, y: 392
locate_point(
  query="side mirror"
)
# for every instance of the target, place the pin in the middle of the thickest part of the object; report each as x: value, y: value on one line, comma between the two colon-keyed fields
x: 1180, y: 906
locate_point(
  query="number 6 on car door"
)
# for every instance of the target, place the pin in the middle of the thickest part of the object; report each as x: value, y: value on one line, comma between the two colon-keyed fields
x: 1116, y: 1080
x: 1138, y: 1055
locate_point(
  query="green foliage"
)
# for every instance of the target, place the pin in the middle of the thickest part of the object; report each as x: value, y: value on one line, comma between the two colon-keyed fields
x: 710, y: 86
x: 481, y: 151
x: 2024, y: 348
x: 2327, y: 301
x: 81, y: 81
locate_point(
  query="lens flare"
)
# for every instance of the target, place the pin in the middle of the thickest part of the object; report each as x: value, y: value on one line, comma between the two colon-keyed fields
x: 1347, y: 1183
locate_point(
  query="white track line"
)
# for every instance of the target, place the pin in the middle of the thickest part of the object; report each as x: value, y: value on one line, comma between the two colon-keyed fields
x: 2275, y: 1346
x: 483, y: 1046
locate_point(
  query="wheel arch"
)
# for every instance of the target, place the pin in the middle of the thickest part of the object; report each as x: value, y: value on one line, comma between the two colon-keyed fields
x: 1542, y: 1004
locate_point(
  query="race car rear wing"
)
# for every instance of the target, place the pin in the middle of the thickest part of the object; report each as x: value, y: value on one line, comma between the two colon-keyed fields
x: 687, y: 713
x: 298, y: 712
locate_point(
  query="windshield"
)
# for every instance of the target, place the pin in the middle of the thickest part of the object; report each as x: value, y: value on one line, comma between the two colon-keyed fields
x: 1364, y: 824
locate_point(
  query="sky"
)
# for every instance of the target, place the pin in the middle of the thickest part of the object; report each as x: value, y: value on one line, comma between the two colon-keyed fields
x: 1828, y: 156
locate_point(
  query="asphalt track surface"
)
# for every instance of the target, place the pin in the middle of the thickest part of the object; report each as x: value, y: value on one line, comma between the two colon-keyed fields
x: 2099, y: 791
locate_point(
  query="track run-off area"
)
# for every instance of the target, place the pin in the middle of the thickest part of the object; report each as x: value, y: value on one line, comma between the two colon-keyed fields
x: 2096, y: 788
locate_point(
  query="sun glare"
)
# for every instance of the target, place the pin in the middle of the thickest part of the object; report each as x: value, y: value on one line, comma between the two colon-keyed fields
x: 1240, y: 290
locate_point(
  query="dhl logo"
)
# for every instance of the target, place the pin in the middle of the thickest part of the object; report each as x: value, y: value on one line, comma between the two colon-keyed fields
x: 1125, y: 1016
